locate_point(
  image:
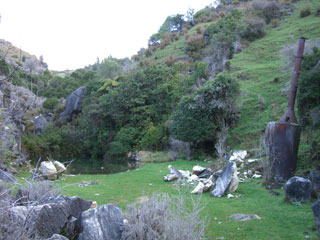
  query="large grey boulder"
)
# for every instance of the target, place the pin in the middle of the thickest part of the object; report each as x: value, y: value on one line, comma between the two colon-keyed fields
x: 102, y: 223
x: 224, y: 180
x: 40, y: 124
x: 7, y: 177
x: 73, y: 104
x: 78, y: 205
x: 315, y: 179
x: 50, y: 218
x: 298, y: 189
x: 316, y: 212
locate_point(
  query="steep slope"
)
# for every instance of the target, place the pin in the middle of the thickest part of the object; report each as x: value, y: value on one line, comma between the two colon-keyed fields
x: 262, y: 79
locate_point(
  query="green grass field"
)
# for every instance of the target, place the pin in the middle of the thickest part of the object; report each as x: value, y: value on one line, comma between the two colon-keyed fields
x: 280, y: 220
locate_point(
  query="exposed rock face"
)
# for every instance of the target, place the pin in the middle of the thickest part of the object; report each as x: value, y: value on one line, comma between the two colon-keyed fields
x: 104, y: 222
x: 298, y: 189
x: 7, y: 177
x: 73, y: 104
x: 51, y: 216
x: 17, y: 106
x: 316, y: 212
x: 224, y: 180
x: 40, y: 123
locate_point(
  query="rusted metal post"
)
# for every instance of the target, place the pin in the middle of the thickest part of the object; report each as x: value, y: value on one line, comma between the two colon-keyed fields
x: 289, y: 116
x: 282, y: 138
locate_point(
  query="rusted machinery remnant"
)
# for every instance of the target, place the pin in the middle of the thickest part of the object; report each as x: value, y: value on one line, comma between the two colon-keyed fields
x: 282, y: 138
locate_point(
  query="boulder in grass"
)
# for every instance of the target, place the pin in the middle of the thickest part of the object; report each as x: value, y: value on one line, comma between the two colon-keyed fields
x: 315, y: 179
x: 298, y: 189
x: 316, y: 212
x: 224, y: 180
x: 48, y: 169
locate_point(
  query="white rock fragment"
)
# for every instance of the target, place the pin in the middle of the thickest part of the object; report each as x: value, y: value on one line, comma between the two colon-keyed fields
x: 193, y: 178
x: 234, y: 181
x: 207, y: 185
x: 230, y: 195
x: 238, y: 155
x: 197, y: 170
x: 250, y: 173
x: 253, y: 160
x: 185, y: 174
x: 256, y: 176
x: 198, y: 189
x: 59, y: 166
x: 170, y: 177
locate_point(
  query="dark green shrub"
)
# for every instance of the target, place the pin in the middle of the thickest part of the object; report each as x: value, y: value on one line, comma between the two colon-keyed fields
x: 275, y: 23
x: 50, y: 103
x: 255, y: 28
x: 200, y: 115
x: 317, y: 14
x: 305, y: 12
x: 271, y: 11
x: 309, y: 85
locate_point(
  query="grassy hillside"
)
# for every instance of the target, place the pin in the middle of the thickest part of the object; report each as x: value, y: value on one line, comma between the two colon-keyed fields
x: 259, y: 65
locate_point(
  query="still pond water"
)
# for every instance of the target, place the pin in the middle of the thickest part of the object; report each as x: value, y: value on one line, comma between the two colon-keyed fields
x: 98, y: 166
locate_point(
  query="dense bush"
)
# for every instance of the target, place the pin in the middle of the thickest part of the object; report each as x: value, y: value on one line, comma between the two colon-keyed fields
x: 267, y: 10
x: 199, y: 116
x: 227, y: 30
x: 164, y: 217
x: 194, y: 45
x: 305, y: 12
x: 308, y: 88
x: 254, y: 29
x: 66, y: 141
x: 50, y: 103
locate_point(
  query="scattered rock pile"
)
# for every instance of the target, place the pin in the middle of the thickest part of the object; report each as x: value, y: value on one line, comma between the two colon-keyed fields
x: 222, y: 181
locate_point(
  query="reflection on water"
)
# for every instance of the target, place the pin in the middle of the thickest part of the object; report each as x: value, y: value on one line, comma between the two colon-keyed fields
x: 98, y: 166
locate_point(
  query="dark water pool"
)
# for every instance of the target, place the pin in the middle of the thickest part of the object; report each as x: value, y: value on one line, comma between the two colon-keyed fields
x: 98, y: 166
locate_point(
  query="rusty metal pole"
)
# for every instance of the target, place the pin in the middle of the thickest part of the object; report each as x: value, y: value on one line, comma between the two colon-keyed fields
x: 282, y: 138
x: 289, y: 115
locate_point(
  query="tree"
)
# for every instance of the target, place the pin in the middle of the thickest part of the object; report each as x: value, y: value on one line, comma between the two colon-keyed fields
x: 199, y: 116
x: 172, y: 23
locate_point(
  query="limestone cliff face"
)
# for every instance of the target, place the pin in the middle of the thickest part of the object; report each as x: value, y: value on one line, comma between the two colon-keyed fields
x: 18, y: 105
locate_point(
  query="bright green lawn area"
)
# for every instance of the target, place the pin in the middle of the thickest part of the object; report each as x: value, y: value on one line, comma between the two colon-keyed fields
x: 280, y: 220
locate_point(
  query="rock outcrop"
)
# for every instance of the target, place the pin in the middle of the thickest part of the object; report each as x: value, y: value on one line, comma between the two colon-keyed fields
x: 73, y: 104
x: 104, y: 222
